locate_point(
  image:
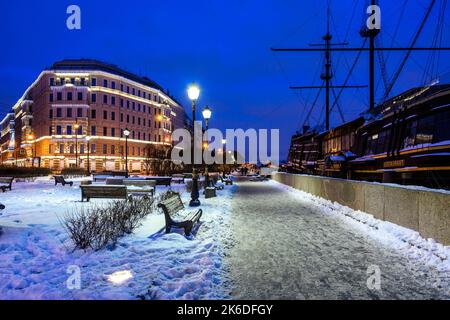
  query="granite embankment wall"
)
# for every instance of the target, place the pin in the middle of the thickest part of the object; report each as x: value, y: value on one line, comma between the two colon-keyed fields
x: 423, y: 210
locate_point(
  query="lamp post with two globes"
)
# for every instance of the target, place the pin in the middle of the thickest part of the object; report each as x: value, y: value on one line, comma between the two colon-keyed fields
x: 194, y: 93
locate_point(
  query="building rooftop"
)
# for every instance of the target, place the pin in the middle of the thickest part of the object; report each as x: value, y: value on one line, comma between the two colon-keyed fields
x: 90, y: 64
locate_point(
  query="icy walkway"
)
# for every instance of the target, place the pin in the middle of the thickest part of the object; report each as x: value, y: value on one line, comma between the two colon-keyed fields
x: 288, y: 247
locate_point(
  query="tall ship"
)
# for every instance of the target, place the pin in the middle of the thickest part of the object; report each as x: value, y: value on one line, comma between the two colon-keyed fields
x: 403, y: 139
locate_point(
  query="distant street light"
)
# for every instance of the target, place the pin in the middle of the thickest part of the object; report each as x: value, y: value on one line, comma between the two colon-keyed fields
x: 194, y: 93
x: 33, y: 149
x: 76, y: 126
x: 206, y: 112
x: 126, y: 133
x: 88, y: 152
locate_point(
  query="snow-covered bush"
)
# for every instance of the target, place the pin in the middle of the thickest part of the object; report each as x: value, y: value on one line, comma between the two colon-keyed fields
x: 97, y: 226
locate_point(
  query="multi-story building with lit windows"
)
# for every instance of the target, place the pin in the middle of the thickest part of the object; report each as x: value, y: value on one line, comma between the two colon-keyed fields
x: 78, y: 110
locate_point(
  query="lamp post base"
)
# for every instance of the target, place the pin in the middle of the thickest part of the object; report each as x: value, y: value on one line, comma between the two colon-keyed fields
x: 194, y: 203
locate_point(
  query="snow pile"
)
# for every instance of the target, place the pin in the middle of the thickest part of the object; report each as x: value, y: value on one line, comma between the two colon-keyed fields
x: 409, y: 242
x: 38, y: 261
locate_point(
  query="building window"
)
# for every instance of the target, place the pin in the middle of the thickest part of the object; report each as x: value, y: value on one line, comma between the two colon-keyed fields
x: 80, y: 130
x: 82, y: 148
x: 134, y: 120
x: 121, y: 87
x: 113, y: 85
x: 143, y: 109
x: 113, y: 132
x: 61, y: 148
x: 113, y: 101
x: 82, y: 81
x: 121, y: 103
x: 52, y: 82
x: 128, y: 104
x: 50, y: 148
x: 69, y: 130
x: 79, y: 112
x: 139, y: 121
x: 113, y: 149
x: 139, y: 107
x: 105, y: 99
x: 71, y: 149
x: 105, y: 83
x: 93, y: 130
x: 58, y: 112
x: 93, y: 148
x: 144, y: 94
x: 93, y: 98
x: 69, y: 112
x: 50, y: 130
x: 94, y: 82
x: 134, y: 105
x: 93, y: 113
x: 59, y: 96
x: 50, y: 98
x: 58, y: 130
x: 105, y: 115
x: 128, y: 118
x: 50, y: 113
x: 80, y: 96
x: 134, y: 92
x: 105, y: 131
x: 105, y: 149
x: 128, y: 89
x: 69, y: 96
x: 113, y: 116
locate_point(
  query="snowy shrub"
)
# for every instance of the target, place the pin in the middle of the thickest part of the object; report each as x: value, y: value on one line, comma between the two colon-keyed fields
x: 97, y: 226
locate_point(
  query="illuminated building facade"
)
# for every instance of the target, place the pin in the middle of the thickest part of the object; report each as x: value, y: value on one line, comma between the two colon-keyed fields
x: 78, y: 110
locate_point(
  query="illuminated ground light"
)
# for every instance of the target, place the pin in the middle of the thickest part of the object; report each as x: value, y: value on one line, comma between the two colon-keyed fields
x: 120, y: 277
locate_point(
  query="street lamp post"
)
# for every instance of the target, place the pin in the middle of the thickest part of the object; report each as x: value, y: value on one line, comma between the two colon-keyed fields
x: 126, y: 133
x: 88, y: 152
x: 193, y: 93
x: 206, y: 112
x: 33, y: 149
x: 76, y: 126
x: 224, y: 158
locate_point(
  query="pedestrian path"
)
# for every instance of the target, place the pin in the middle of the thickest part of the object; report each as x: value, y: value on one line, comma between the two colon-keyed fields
x: 286, y: 248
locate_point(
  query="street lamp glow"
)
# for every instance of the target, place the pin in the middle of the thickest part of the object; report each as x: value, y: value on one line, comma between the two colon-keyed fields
x: 193, y: 92
x: 224, y: 141
x: 30, y: 137
x: 126, y: 132
x: 206, y: 112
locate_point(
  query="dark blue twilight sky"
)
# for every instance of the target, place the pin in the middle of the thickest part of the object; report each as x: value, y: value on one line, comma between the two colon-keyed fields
x: 222, y: 45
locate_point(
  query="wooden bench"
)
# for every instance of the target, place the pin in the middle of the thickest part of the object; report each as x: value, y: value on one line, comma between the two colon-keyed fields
x: 136, y: 187
x: 6, y: 183
x: 103, y: 192
x: 60, y: 179
x: 172, y: 206
x: 178, y: 178
x: 161, y: 181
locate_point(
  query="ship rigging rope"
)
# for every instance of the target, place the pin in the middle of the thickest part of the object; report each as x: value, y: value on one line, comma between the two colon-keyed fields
x: 433, y: 61
x: 313, y: 105
x: 408, y: 53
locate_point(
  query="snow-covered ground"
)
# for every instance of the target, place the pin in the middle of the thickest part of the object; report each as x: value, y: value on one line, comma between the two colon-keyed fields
x: 37, y: 260
x: 292, y: 245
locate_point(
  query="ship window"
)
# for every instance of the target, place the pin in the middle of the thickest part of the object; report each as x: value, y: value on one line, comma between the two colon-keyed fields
x: 441, y: 131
